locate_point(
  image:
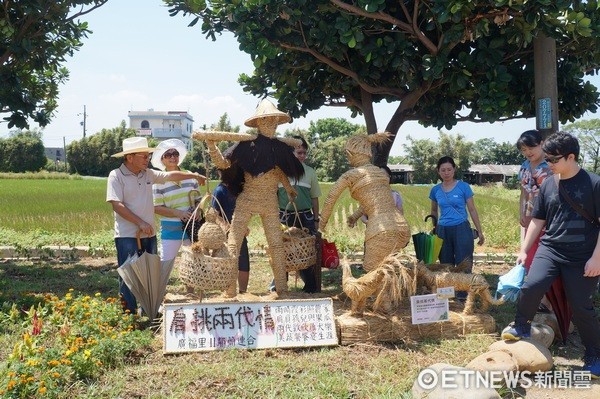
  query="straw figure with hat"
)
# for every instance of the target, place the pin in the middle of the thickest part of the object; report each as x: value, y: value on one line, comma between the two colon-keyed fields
x: 387, y: 230
x: 174, y: 200
x: 129, y: 191
x: 263, y: 161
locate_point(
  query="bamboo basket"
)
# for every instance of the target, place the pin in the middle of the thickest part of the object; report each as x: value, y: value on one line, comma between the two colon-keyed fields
x: 207, y: 272
x: 299, y: 249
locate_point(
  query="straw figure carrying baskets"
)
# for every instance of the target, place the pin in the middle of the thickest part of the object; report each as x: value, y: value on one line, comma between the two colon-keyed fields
x: 264, y: 161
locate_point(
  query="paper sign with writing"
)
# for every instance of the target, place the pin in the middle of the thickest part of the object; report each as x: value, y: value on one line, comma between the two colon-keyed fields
x: 428, y: 309
x: 193, y: 327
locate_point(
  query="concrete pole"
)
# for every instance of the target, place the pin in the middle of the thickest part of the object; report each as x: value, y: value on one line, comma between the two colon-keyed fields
x: 546, y: 90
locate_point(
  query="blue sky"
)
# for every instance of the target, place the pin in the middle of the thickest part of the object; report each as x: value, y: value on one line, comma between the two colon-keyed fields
x: 140, y: 58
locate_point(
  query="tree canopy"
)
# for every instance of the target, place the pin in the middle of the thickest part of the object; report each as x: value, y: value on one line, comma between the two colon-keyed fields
x: 588, y: 134
x: 36, y: 36
x: 441, y: 61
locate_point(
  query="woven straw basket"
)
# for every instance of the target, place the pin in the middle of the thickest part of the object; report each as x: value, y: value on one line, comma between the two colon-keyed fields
x: 207, y: 272
x: 299, y: 248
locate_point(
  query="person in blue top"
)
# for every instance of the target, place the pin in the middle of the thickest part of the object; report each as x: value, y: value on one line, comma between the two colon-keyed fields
x: 224, y: 199
x: 453, y: 198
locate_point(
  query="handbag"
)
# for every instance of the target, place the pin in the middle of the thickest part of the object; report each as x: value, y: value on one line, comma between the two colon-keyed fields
x: 330, y: 258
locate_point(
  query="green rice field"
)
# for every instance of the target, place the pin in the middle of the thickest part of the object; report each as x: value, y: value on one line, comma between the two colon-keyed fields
x: 73, y: 212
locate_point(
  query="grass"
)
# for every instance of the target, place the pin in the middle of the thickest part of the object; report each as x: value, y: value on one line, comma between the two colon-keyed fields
x: 363, y: 370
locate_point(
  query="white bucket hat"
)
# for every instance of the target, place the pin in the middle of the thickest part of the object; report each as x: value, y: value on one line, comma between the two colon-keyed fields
x: 132, y: 145
x: 165, y: 146
x: 266, y: 109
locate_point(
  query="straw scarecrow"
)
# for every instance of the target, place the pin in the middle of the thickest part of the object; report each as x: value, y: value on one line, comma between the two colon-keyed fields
x: 386, y: 231
x: 263, y: 161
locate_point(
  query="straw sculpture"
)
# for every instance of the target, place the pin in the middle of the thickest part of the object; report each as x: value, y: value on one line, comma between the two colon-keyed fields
x: 263, y: 162
x: 387, y: 230
x: 474, y: 284
x: 390, y: 283
x: 211, y: 236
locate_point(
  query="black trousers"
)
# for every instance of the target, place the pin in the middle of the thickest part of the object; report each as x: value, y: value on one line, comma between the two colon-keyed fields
x: 579, y: 290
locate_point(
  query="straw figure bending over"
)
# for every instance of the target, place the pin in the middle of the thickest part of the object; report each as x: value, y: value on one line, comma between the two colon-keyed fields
x: 261, y: 162
x: 387, y: 230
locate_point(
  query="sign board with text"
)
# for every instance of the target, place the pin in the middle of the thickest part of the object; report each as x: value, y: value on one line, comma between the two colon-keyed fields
x: 429, y: 309
x: 194, y: 327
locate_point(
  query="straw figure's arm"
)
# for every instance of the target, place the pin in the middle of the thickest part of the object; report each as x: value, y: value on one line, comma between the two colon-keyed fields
x: 285, y: 182
x: 352, y: 219
x: 292, y: 142
x: 216, y: 156
x: 337, y: 189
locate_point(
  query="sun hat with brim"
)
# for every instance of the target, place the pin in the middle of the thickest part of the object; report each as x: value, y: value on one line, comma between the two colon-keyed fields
x: 266, y: 109
x: 132, y: 145
x: 165, y: 146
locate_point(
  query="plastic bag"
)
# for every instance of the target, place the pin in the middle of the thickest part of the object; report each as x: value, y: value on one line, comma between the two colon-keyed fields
x: 510, y: 283
x: 330, y: 257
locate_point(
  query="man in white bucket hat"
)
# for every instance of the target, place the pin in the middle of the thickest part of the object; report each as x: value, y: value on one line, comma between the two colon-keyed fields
x: 129, y: 190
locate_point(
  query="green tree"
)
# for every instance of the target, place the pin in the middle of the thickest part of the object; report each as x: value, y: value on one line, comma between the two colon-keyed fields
x: 483, y: 151
x: 224, y: 124
x: 331, y: 128
x: 507, y: 154
x: 329, y: 159
x: 441, y: 62
x: 36, y: 36
x: 423, y: 155
x: 588, y: 134
x: 23, y: 151
x: 91, y: 156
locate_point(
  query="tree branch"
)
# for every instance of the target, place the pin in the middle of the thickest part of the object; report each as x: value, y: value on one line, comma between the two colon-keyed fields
x: 343, y: 70
x: 403, y: 26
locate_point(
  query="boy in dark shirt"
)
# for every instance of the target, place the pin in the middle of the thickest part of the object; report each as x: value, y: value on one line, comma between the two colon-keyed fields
x: 569, y: 248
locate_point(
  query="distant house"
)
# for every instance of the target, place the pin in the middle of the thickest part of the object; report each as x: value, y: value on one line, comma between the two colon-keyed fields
x: 55, y: 154
x: 163, y: 125
x: 485, y: 174
x: 402, y: 173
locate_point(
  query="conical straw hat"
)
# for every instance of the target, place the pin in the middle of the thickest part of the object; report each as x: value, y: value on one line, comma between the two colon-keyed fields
x: 266, y: 109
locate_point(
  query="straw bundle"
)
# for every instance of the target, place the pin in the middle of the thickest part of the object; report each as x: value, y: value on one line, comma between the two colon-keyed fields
x: 206, y: 272
x: 215, y: 135
x: 398, y: 327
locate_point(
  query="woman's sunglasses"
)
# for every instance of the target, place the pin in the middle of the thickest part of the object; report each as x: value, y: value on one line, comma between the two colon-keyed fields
x: 554, y: 159
x: 170, y: 154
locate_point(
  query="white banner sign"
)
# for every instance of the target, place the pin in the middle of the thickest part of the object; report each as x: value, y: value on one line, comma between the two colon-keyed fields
x: 193, y: 327
x: 428, y: 309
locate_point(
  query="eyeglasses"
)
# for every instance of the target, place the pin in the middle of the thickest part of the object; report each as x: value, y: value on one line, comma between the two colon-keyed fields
x: 171, y: 154
x: 554, y: 160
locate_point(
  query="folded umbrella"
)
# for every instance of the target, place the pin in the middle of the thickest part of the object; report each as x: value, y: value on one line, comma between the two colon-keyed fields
x: 147, y: 278
x: 560, y: 306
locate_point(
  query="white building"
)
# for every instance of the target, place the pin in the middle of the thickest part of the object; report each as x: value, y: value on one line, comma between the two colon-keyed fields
x: 162, y: 125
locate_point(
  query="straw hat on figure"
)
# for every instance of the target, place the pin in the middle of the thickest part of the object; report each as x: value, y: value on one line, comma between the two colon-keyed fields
x: 386, y: 230
x: 264, y: 161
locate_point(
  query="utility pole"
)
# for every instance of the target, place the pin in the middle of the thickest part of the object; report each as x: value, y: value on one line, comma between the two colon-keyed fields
x: 546, y: 91
x: 83, y: 123
x: 65, y: 152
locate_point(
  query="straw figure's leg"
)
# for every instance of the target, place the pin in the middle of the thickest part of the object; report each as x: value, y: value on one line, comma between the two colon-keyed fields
x: 239, y: 225
x: 274, y: 237
x: 470, y: 303
x: 378, y: 247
